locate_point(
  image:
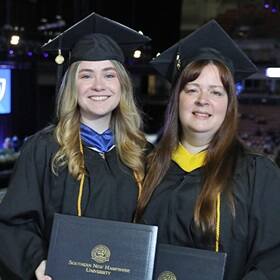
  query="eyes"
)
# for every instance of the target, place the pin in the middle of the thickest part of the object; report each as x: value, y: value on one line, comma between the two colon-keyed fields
x: 87, y: 75
x: 211, y: 91
x: 110, y: 75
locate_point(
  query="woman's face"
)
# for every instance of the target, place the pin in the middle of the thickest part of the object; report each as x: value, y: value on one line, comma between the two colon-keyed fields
x: 203, y: 104
x: 99, y: 90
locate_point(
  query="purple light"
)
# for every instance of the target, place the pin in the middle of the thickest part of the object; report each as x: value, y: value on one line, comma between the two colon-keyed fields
x: 266, y: 5
x: 11, y: 52
x: 45, y: 55
x: 29, y: 53
x: 273, y: 10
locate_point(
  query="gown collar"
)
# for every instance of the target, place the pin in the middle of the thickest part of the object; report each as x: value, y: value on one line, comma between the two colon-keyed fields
x: 101, y: 143
x: 186, y: 160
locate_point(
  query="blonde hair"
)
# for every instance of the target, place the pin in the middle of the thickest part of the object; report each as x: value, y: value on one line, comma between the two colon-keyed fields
x: 126, y: 124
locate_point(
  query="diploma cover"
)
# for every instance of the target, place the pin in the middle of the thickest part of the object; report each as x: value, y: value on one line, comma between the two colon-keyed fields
x: 86, y: 248
x: 183, y: 263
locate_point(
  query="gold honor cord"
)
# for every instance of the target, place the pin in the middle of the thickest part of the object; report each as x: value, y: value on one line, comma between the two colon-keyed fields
x: 189, y: 162
x: 79, y: 202
x: 81, y: 188
x: 218, y: 222
x: 218, y: 205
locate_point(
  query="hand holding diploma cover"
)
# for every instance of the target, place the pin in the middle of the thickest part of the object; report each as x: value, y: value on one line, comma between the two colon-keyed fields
x: 86, y: 248
x: 184, y: 263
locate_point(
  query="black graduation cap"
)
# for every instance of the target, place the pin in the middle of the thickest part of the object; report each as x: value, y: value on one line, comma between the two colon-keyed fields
x: 208, y: 42
x: 97, y: 38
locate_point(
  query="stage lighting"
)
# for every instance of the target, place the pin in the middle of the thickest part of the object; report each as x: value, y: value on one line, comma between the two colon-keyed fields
x: 45, y: 54
x: 14, y: 40
x: 137, y: 54
x: 273, y: 72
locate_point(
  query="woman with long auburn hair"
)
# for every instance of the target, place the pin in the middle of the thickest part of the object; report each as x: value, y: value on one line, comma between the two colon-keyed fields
x: 90, y: 162
x: 203, y: 188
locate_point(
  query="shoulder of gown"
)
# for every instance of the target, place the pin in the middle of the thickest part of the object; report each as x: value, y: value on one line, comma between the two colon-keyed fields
x: 256, y: 190
x: 21, y: 211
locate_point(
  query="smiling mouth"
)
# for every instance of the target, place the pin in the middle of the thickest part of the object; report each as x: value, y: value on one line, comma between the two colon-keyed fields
x: 99, y: 97
x: 202, y: 114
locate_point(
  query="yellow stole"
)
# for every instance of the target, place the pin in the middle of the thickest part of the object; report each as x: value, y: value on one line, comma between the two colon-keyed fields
x: 189, y: 162
x: 186, y: 160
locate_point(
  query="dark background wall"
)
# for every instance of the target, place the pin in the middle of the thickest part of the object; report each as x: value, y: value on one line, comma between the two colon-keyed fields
x: 255, y: 28
x: 33, y: 79
x: 155, y: 18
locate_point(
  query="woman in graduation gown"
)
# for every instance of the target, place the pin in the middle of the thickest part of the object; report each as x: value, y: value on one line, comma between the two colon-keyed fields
x: 90, y: 162
x: 203, y: 188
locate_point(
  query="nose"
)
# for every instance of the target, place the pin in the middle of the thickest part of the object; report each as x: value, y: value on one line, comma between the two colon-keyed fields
x: 98, y: 83
x: 202, y: 98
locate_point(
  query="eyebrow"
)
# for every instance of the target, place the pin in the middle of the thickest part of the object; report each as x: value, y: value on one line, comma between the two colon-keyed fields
x: 103, y: 69
x: 211, y: 86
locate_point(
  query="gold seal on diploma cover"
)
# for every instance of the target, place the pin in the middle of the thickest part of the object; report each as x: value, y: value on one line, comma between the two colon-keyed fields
x: 101, y: 253
x: 167, y: 275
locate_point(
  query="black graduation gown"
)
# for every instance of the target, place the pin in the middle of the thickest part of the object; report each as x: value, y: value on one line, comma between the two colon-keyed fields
x: 251, y: 239
x: 35, y: 194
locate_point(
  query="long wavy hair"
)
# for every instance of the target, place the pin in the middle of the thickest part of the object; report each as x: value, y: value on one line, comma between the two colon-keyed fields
x: 221, y: 154
x: 126, y: 124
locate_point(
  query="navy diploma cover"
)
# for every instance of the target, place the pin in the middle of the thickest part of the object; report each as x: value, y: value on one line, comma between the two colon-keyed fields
x: 86, y: 248
x: 183, y: 263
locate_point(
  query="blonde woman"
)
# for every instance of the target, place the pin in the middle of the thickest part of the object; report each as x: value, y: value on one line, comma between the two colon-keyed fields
x: 89, y: 163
